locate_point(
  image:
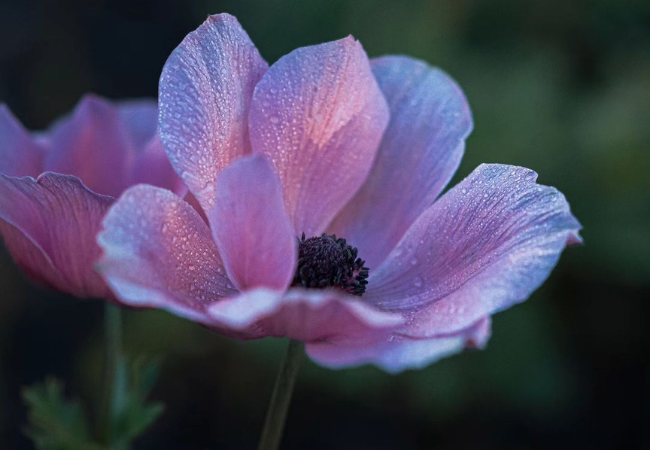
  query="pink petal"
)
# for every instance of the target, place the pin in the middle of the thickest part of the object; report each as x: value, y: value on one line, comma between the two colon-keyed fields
x: 151, y: 166
x: 319, y: 116
x: 420, y: 151
x: 309, y: 315
x: 486, y: 244
x: 158, y: 252
x: 93, y: 145
x: 206, y: 89
x: 49, y: 227
x: 141, y: 120
x: 19, y: 153
x: 395, y: 353
x: 251, y: 228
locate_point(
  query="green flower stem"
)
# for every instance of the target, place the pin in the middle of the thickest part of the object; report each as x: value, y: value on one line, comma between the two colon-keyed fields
x: 277, y: 413
x: 113, y: 368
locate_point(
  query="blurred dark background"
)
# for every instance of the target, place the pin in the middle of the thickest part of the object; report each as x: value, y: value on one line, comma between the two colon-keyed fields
x: 559, y: 86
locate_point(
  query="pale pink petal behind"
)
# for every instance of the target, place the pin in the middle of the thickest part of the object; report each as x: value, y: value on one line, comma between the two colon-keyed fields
x: 93, y: 145
x: 251, y: 228
x: 318, y: 114
x: 141, y: 120
x: 19, y: 155
x: 487, y: 243
x: 205, y: 93
x: 309, y: 315
x: 395, y: 353
x: 158, y: 252
x: 420, y: 151
x: 151, y: 166
x: 49, y: 227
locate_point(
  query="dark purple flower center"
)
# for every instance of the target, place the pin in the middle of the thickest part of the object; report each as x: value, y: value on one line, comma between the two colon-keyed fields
x: 326, y: 261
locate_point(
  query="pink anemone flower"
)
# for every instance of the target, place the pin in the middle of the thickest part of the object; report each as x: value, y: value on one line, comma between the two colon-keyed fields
x: 311, y: 171
x: 56, y: 186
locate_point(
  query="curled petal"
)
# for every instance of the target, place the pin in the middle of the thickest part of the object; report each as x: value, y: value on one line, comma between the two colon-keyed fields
x: 19, y: 154
x: 395, y: 353
x: 308, y: 315
x: 158, y: 252
x: 484, y: 245
x: 206, y: 89
x: 251, y: 229
x: 318, y: 114
x: 49, y: 227
x: 93, y: 145
x: 419, y: 153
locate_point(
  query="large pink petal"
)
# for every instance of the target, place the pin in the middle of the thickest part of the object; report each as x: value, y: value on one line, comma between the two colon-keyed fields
x: 158, y: 252
x: 206, y: 89
x: 49, y: 227
x: 486, y: 244
x: 93, y: 145
x: 319, y: 116
x: 420, y: 151
x: 395, y: 353
x: 19, y: 154
x: 251, y: 228
x: 308, y: 315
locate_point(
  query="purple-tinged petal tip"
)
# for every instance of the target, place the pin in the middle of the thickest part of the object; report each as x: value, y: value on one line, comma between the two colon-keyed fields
x: 395, y: 353
x: 486, y: 244
x: 205, y: 92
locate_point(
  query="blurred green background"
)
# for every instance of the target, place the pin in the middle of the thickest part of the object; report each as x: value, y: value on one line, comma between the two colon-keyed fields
x: 562, y: 87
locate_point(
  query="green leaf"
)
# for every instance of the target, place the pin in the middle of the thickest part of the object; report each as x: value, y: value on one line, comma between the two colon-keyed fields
x: 135, y: 414
x: 54, y: 422
x: 59, y: 424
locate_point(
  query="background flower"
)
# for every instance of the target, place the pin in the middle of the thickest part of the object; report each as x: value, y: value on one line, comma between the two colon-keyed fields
x: 82, y: 163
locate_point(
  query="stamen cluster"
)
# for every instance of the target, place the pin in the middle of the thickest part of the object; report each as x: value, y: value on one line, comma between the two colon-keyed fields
x: 328, y: 261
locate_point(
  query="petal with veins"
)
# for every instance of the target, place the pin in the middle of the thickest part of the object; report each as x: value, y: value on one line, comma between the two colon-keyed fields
x: 319, y: 115
x: 486, y: 244
x: 49, y: 227
x: 419, y: 153
x: 206, y: 88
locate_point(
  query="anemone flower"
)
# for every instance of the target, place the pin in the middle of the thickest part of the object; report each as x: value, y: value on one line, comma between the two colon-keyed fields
x: 321, y: 178
x: 56, y: 186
